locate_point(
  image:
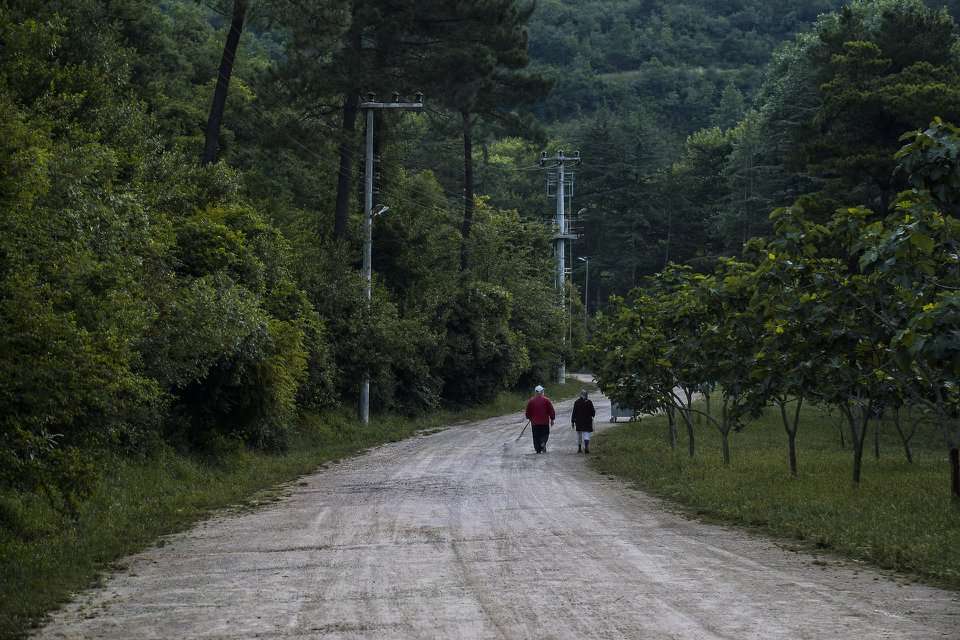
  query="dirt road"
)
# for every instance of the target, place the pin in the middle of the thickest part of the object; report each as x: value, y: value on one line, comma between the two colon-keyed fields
x: 467, y: 534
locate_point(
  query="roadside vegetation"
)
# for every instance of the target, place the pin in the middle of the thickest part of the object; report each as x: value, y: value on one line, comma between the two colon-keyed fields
x: 43, y: 560
x: 895, y: 519
x: 851, y: 299
x: 836, y: 288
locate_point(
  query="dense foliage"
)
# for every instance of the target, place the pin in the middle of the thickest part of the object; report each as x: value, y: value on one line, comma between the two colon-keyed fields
x: 846, y: 295
x: 857, y: 312
x: 149, y: 298
x: 674, y: 57
x: 695, y: 119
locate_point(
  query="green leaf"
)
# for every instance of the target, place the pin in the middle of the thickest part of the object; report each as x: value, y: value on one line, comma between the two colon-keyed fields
x: 923, y: 242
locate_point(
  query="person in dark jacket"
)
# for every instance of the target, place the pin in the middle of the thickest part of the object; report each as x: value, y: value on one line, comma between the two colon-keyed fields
x: 541, y: 416
x: 582, y: 421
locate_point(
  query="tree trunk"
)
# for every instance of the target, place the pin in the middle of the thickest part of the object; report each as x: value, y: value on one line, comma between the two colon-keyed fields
x: 791, y: 430
x: 857, y: 460
x: 688, y: 420
x: 212, y: 142
x: 904, y: 437
x: 858, y: 420
x: 725, y: 434
x: 955, y: 473
x: 792, y: 452
x: 345, y: 174
x: 691, y: 449
x: 876, y: 438
x: 672, y: 426
x: 467, y: 190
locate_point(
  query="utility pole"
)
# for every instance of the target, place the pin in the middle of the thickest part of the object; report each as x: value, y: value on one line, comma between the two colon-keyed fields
x: 586, y: 294
x: 369, y: 106
x: 560, y: 239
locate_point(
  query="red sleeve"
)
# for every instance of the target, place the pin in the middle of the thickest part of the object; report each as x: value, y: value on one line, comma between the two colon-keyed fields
x: 553, y: 416
x: 527, y: 412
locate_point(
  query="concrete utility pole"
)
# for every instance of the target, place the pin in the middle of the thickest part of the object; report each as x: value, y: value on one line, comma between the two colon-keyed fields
x: 369, y: 106
x: 586, y: 294
x: 560, y: 239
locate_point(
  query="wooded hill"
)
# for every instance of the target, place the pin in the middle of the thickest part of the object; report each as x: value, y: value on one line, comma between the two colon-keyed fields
x: 686, y: 151
x: 672, y: 58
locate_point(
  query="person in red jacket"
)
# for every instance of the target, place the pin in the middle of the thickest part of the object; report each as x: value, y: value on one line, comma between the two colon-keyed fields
x: 541, y: 416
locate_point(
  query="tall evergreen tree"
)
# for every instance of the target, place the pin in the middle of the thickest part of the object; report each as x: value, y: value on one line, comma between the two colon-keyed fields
x: 478, y: 72
x: 731, y: 108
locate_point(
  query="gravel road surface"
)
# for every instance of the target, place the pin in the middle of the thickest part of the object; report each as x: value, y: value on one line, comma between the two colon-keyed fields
x: 466, y: 534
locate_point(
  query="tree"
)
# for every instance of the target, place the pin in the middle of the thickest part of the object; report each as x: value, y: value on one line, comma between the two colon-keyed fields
x: 731, y: 108
x: 682, y: 317
x: 845, y: 326
x: 478, y: 74
x: 843, y: 94
x: 913, y: 251
x: 626, y: 353
x: 73, y: 277
x: 212, y: 133
x: 727, y: 344
x: 744, y: 213
x: 622, y: 196
x: 652, y: 348
x: 788, y: 303
x: 696, y: 190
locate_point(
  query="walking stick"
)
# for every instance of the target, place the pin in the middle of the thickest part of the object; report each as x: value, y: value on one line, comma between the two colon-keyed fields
x: 522, y: 430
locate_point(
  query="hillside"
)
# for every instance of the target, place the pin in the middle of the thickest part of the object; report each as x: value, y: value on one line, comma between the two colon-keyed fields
x: 673, y: 57
x: 639, y: 86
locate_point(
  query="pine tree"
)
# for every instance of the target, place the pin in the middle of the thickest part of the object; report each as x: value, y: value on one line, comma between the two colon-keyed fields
x: 731, y: 108
x: 476, y: 58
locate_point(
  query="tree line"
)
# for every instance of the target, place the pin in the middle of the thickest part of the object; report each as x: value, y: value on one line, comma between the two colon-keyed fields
x: 849, y: 296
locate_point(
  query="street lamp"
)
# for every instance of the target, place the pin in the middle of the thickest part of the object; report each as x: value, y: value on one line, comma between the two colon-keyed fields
x: 586, y: 294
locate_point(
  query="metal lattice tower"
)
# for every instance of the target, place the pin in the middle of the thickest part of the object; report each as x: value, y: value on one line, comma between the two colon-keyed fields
x: 558, y: 185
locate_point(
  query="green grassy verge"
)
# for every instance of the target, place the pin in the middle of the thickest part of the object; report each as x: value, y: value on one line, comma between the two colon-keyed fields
x: 901, y: 517
x: 43, y: 560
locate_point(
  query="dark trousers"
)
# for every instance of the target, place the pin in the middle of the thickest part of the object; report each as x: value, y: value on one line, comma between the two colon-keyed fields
x: 541, y: 433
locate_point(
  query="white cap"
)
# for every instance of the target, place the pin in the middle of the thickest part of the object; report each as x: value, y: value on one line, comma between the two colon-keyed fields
x: 538, y: 388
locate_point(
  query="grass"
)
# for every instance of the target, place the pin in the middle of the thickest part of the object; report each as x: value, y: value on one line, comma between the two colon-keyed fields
x: 901, y: 517
x: 43, y: 559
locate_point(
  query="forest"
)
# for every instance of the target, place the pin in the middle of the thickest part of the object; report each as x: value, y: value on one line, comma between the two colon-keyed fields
x: 181, y: 226
x: 182, y: 213
x: 845, y: 295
